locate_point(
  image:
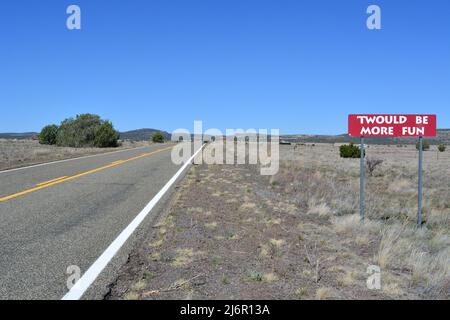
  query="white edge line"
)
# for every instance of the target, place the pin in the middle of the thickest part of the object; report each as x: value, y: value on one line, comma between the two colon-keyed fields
x: 80, y: 287
x: 70, y: 159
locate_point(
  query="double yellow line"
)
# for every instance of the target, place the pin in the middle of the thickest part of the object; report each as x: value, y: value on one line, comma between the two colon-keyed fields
x: 59, y: 180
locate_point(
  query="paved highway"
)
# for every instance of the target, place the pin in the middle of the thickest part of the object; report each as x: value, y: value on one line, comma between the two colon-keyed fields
x: 67, y: 213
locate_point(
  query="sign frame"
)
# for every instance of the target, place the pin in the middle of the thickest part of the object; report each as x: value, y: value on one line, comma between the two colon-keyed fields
x: 392, y: 125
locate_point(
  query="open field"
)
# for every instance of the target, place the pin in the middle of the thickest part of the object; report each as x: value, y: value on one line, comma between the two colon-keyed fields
x: 18, y: 153
x: 231, y: 233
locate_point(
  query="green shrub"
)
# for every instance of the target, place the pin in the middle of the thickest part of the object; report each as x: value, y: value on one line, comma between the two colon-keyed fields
x: 48, y: 134
x: 425, y: 145
x: 350, y: 151
x: 256, y: 276
x: 442, y: 148
x: 158, y: 137
x: 106, y: 136
x: 83, y: 130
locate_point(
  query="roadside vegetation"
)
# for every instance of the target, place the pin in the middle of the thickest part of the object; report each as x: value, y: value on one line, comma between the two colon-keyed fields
x: 231, y: 233
x: 158, y: 137
x: 48, y: 134
x: 86, y: 134
x: 85, y: 130
x: 18, y: 153
x: 425, y: 145
x: 350, y: 151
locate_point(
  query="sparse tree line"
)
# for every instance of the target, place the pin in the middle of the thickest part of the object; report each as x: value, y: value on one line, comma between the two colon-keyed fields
x: 85, y: 130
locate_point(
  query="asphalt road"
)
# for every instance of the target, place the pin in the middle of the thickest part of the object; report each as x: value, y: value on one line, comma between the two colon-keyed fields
x: 72, y: 221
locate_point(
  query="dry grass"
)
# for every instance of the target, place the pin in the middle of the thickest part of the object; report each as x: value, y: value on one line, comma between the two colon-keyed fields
x: 326, y: 185
x: 351, y: 225
x: 131, y: 296
x: 349, y: 279
x: 16, y: 153
x: 323, y: 293
x: 301, y: 293
x: 321, y: 209
x: 139, y: 286
x: 185, y: 257
x: 298, y: 235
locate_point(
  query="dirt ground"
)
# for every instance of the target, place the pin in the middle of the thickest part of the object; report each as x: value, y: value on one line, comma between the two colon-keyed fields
x: 18, y: 153
x: 230, y: 233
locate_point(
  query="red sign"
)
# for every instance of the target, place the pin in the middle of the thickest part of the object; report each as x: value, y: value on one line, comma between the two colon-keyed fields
x: 392, y: 125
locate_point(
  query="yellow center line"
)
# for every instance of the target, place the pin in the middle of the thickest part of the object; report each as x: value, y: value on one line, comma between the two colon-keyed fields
x: 48, y: 181
x: 64, y: 179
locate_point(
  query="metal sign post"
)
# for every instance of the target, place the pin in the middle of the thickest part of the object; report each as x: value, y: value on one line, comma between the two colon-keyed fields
x: 362, y: 175
x: 419, y: 213
x: 392, y: 125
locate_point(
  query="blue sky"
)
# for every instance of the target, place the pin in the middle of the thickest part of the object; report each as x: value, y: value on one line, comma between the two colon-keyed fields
x: 300, y: 66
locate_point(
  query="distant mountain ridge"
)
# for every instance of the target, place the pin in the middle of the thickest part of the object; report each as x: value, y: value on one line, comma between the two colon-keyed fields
x: 443, y: 137
x: 17, y: 135
x: 146, y: 134
x: 142, y: 134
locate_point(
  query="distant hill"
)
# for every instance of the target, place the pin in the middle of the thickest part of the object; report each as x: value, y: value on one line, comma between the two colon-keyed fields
x: 146, y: 134
x: 22, y: 135
x: 142, y: 134
x: 442, y: 137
